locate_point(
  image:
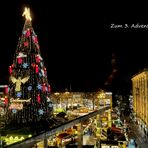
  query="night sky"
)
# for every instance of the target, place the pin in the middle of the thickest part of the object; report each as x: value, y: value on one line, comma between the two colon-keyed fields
x: 79, y: 48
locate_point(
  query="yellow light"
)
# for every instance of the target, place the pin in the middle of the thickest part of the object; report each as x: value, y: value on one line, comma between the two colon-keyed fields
x: 26, y: 13
x: 29, y: 135
x: 56, y: 93
x: 67, y: 92
x: 22, y: 138
x: 11, y: 138
x: 16, y: 138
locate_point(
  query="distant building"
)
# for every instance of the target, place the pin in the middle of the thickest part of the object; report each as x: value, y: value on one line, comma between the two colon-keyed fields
x: 92, y: 100
x: 140, y: 98
x: 3, y: 102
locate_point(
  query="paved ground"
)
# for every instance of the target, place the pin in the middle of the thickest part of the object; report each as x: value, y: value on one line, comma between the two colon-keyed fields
x: 137, y: 133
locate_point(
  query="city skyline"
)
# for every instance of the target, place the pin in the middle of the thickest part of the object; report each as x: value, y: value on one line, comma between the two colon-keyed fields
x: 76, y: 55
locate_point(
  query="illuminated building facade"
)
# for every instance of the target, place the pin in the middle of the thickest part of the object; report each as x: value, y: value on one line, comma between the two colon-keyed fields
x: 3, y: 98
x: 140, y: 98
x: 105, y: 99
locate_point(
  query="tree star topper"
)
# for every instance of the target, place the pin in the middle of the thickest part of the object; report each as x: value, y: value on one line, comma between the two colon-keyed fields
x: 26, y: 13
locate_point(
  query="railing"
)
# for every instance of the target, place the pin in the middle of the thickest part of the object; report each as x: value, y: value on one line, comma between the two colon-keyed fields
x: 53, y: 131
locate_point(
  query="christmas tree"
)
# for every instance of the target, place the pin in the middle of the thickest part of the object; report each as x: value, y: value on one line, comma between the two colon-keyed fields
x: 29, y: 91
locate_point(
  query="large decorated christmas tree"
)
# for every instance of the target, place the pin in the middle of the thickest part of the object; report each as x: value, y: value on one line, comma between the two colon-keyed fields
x: 29, y: 91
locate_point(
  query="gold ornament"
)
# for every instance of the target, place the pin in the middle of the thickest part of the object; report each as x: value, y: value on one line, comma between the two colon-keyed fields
x: 18, y: 82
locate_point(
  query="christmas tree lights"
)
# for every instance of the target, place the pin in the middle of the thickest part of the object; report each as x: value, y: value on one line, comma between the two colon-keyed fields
x: 29, y: 91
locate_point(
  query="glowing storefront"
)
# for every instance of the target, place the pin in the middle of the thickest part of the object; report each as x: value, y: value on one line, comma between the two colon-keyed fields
x: 140, y: 98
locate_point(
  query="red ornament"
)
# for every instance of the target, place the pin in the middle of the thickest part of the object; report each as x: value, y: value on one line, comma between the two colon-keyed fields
x: 25, y: 43
x: 37, y: 59
x: 27, y: 33
x: 36, y: 69
x: 39, y: 98
x: 6, y: 100
x: 12, y: 65
x: 44, y: 87
x: 35, y: 39
x: 49, y: 88
x: 10, y: 69
x: 6, y: 89
x: 19, y: 60
x: 33, y: 65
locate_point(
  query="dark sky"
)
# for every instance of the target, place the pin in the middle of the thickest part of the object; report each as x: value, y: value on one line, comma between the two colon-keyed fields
x: 78, y: 46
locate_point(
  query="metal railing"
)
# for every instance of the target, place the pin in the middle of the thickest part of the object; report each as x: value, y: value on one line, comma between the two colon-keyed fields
x: 54, y: 130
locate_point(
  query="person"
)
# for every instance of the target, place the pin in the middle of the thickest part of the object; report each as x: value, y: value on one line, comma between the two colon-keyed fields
x: 135, y: 143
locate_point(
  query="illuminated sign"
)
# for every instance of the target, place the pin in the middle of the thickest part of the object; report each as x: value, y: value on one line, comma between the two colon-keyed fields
x: 17, y: 106
x: 18, y: 100
x: 109, y: 146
